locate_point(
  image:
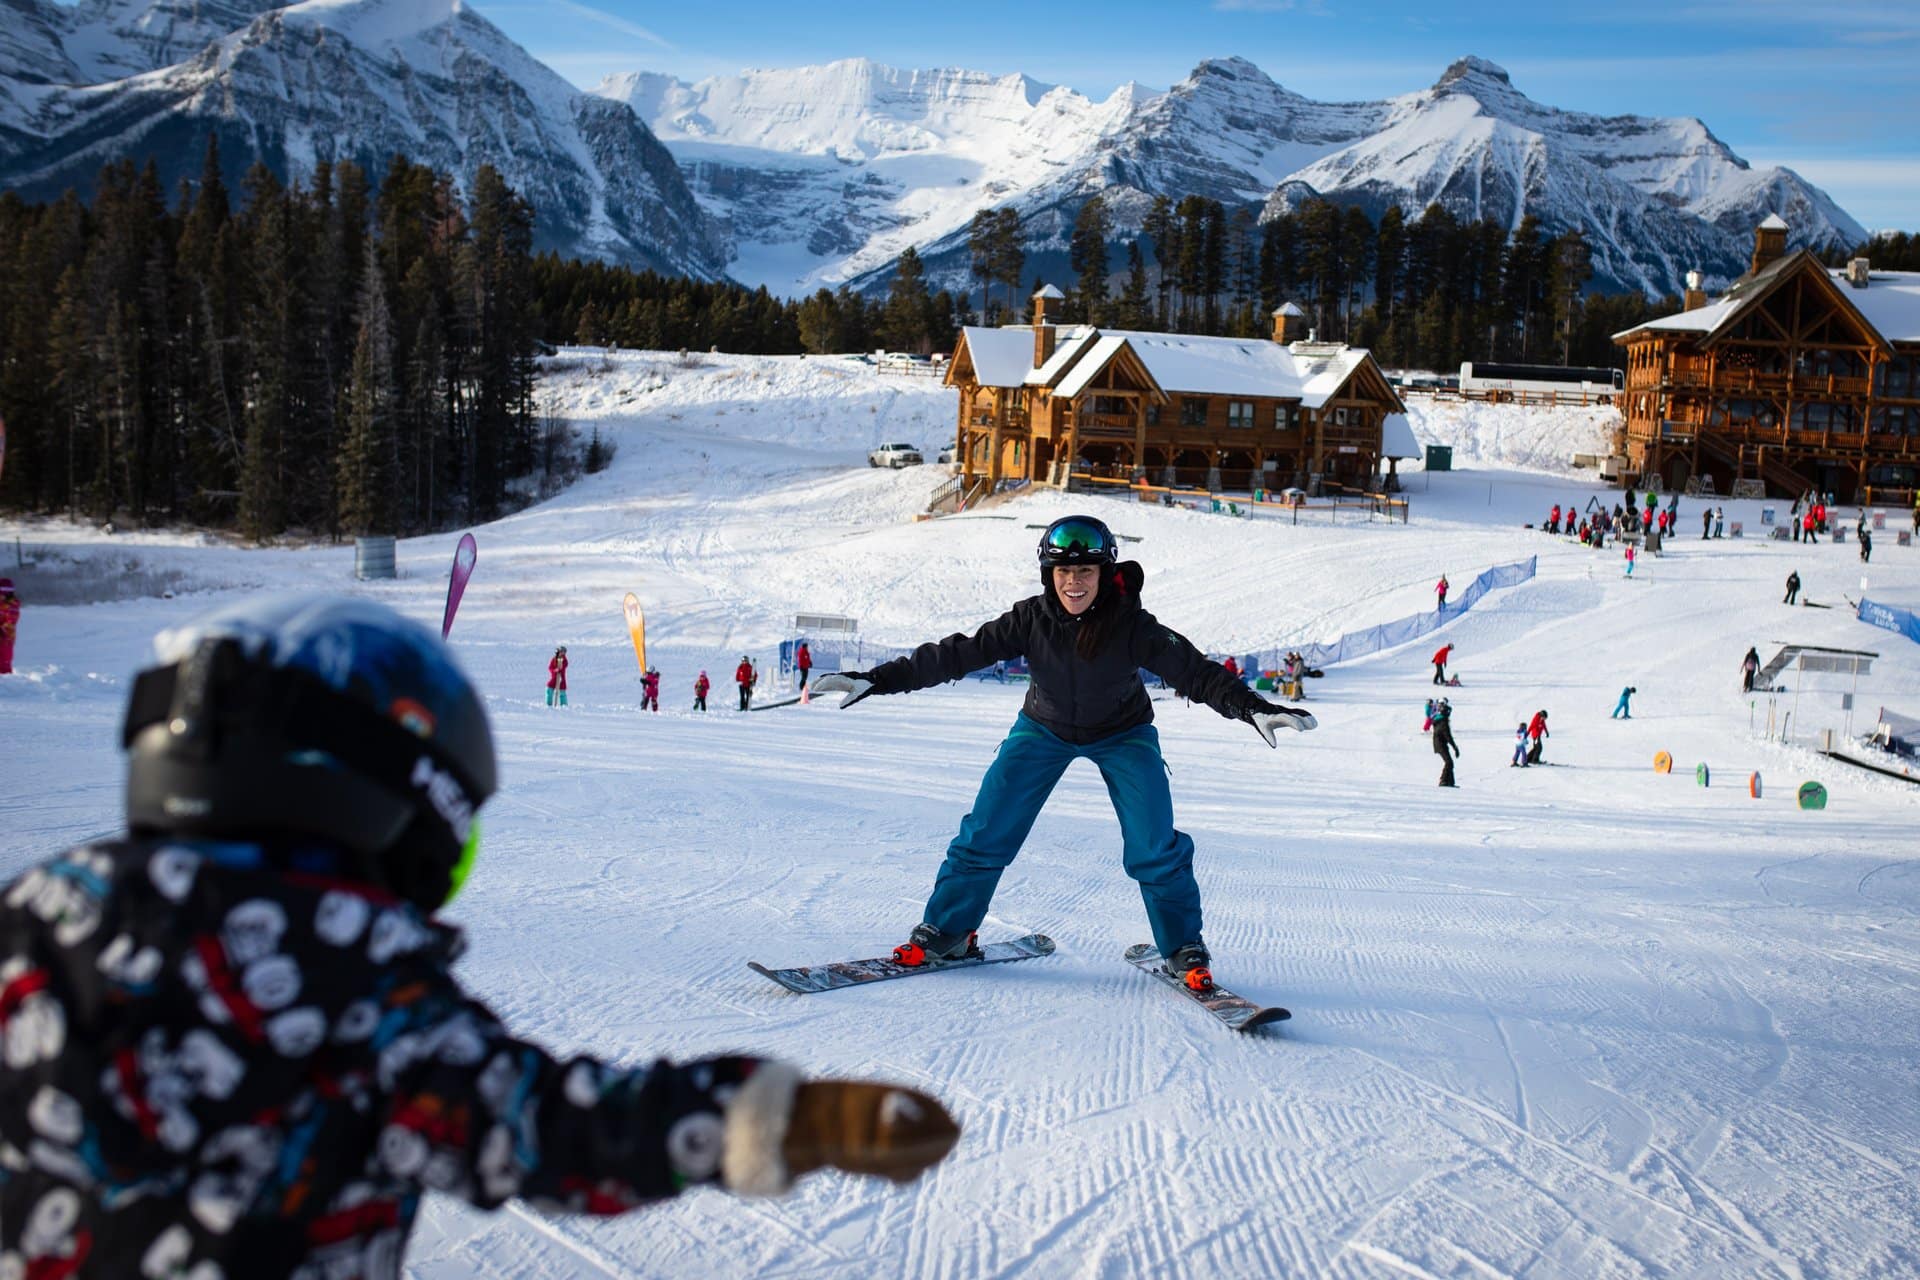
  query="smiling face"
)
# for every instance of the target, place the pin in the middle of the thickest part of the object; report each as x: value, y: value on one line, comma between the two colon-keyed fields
x: 1076, y: 585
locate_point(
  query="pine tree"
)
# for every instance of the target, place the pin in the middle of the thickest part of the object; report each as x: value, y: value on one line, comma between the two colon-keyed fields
x: 906, y: 321
x: 1087, y: 253
x: 368, y: 465
x: 1009, y: 253
x: 1135, y: 310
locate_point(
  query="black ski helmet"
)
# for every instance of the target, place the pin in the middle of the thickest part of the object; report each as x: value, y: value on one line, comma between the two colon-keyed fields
x: 313, y: 717
x: 1077, y: 540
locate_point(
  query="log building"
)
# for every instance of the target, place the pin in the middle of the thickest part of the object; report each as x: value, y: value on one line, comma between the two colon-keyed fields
x: 1800, y: 377
x: 1043, y: 402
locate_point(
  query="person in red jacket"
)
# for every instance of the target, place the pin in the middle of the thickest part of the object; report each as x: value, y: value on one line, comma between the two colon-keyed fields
x: 9, y: 624
x: 700, y: 688
x: 1537, y: 731
x: 1440, y: 663
x: 1233, y: 667
x: 1553, y: 521
x: 803, y: 659
x: 743, y: 675
x: 650, y: 689
x: 557, y: 678
x: 236, y: 1041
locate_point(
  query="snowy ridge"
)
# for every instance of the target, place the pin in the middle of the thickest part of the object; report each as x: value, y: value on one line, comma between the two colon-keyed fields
x: 824, y: 174
x: 1583, y: 1021
x: 342, y: 79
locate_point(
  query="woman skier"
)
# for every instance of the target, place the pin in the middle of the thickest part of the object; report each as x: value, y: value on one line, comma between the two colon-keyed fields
x: 557, y: 678
x: 1086, y: 639
x: 235, y: 1043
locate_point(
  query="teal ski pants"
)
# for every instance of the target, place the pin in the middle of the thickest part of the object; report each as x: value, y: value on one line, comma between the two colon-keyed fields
x: 1018, y: 783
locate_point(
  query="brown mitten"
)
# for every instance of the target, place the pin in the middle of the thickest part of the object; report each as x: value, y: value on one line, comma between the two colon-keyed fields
x: 863, y: 1126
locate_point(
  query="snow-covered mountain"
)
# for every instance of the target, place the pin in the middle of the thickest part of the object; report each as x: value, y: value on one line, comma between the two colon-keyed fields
x: 337, y: 79
x: 822, y: 175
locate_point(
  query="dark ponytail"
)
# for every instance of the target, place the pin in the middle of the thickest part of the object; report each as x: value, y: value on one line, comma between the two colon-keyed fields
x: 1118, y: 601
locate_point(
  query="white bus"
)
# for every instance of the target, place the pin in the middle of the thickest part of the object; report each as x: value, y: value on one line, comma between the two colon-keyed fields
x: 1536, y: 382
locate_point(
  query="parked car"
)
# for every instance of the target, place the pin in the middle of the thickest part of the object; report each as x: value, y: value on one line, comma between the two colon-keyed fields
x: 949, y: 452
x: 895, y: 455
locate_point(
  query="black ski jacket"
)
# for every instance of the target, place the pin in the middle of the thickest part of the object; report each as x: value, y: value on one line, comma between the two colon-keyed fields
x: 1078, y: 699
x: 1443, y: 738
x: 213, y: 1066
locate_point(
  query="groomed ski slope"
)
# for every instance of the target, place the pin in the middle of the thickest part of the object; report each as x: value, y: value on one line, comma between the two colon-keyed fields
x: 1582, y: 1021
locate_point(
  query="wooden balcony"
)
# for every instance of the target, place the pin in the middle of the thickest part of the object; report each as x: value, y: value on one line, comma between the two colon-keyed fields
x: 1737, y: 381
x: 1104, y: 426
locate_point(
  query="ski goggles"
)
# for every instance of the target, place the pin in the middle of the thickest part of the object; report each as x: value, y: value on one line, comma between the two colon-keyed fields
x: 1076, y: 540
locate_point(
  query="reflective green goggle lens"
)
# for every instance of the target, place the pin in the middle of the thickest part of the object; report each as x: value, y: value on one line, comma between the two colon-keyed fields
x: 463, y: 867
x: 1077, y: 536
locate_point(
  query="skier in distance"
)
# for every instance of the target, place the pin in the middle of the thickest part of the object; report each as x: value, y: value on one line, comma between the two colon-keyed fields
x: 234, y: 1046
x: 1086, y: 638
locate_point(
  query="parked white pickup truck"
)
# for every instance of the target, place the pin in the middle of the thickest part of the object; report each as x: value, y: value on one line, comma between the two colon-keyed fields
x: 895, y: 455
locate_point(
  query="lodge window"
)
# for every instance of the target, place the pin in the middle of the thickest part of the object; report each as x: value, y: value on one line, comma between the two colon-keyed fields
x: 1112, y: 405
x: 1193, y: 411
x: 1240, y: 413
x: 1285, y: 417
x: 1153, y: 415
x: 1824, y: 417
x: 1897, y: 377
x: 1895, y: 420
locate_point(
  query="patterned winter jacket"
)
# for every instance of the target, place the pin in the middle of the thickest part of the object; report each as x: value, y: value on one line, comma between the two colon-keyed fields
x: 215, y: 1069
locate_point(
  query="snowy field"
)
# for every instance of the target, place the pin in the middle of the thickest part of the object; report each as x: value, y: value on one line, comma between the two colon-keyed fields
x: 1582, y: 1021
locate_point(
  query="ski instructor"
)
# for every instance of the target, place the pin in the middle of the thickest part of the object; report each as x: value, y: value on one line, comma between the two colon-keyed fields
x: 1085, y: 638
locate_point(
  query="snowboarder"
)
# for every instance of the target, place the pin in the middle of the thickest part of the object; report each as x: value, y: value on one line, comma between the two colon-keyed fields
x: 1793, y: 586
x: 1086, y: 639
x: 1443, y: 742
x: 1440, y: 589
x: 650, y: 690
x: 700, y: 688
x: 1749, y: 667
x: 9, y: 624
x: 803, y: 659
x: 1537, y: 730
x: 1440, y: 663
x: 245, y: 1008
x: 1866, y: 545
x: 743, y: 675
x: 1519, y: 747
x: 557, y: 678
x: 1620, y: 709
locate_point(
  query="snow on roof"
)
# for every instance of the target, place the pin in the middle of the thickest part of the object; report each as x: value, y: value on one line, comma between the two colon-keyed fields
x: 1048, y: 291
x: 1699, y: 320
x: 1774, y: 222
x: 1103, y: 352
x: 1072, y: 343
x: 1001, y: 357
x: 1890, y: 302
x: 1288, y: 309
x: 1397, y: 439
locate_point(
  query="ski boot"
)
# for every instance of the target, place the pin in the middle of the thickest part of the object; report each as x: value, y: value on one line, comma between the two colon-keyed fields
x: 1189, y: 964
x: 927, y: 945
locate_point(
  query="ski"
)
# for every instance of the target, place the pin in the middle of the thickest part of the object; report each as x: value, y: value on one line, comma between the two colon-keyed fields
x: 769, y: 706
x: 1237, y: 1012
x: 853, y: 973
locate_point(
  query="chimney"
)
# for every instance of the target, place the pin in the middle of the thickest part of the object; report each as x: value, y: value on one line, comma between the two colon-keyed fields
x: 1696, y: 296
x: 1289, y: 323
x: 1043, y: 302
x: 1857, y: 272
x: 1769, y: 243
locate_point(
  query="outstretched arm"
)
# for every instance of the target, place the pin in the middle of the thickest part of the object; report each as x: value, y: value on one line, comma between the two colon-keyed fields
x: 936, y: 662
x: 1172, y: 657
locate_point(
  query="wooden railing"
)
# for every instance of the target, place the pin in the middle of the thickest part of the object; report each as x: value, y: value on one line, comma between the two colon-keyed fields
x: 1796, y: 384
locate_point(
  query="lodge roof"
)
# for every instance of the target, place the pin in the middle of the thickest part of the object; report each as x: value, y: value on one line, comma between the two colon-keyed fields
x: 1889, y: 304
x: 1178, y: 362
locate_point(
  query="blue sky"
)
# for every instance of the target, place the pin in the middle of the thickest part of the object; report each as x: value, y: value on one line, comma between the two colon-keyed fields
x: 1830, y: 88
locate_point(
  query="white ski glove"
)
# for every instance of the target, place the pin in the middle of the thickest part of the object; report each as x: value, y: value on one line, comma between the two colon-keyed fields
x: 1267, y: 717
x: 852, y: 683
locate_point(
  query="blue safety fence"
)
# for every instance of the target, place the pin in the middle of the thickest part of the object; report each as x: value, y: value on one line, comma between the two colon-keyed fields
x: 1391, y: 635
x: 1892, y: 617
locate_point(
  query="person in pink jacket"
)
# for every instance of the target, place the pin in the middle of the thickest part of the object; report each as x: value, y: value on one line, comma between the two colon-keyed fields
x: 9, y: 624
x: 557, y: 678
x: 650, y: 689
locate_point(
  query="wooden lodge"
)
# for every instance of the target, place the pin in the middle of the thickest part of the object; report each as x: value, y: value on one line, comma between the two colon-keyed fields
x: 1046, y: 403
x: 1800, y: 377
